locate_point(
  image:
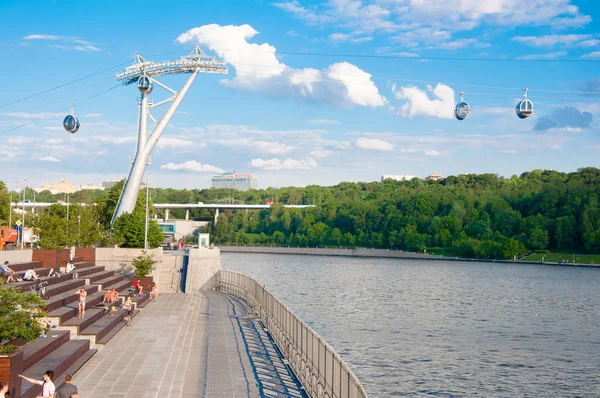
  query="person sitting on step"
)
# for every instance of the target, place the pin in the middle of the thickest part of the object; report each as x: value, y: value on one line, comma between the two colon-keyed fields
x: 6, y: 271
x: 107, y: 296
x: 53, y: 273
x: 138, y: 287
x: 128, y: 305
x: 114, y: 296
x: 30, y: 275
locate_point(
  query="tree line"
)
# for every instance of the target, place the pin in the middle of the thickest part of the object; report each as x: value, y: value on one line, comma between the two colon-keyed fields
x: 473, y: 215
x: 485, y: 215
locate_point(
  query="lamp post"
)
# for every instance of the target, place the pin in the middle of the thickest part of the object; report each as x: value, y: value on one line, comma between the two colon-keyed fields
x: 68, y: 218
x: 10, y: 202
x: 23, y: 215
x: 146, y: 219
x: 78, y: 229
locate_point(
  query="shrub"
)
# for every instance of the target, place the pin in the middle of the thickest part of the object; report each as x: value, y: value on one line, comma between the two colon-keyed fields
x: 19, y: 313
x: 144, y: 264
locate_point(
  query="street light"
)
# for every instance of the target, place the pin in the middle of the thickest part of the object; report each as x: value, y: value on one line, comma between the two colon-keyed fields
x: 10, y: 202
x: 23, y: 216
x: 146, y: 220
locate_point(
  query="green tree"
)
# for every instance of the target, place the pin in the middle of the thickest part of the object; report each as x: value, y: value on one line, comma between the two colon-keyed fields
x: 539, y: 238
x: 19, y: 314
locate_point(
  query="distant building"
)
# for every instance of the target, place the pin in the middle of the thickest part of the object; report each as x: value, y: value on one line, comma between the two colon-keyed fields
x: 109, y: 184
x: 65, y: 186
x: 241, y: 182
x: 434, y: 177
x: 396, y: 177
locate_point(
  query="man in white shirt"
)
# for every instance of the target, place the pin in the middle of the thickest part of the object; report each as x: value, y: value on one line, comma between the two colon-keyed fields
x: 48, y: 388
x: 30, y: 275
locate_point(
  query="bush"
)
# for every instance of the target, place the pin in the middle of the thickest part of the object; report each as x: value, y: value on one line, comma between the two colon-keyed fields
x: 144, y: 264
x: 19, y: 313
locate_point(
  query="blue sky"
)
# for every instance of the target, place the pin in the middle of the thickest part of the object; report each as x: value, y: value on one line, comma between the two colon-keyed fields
x: 318, y: 91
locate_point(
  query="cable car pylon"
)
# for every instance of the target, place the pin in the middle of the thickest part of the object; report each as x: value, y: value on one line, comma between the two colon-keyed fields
x: 144, y: 73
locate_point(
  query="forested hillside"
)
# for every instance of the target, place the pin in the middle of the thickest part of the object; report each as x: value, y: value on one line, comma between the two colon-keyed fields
x: 471, y: 215
x: 474, y: 215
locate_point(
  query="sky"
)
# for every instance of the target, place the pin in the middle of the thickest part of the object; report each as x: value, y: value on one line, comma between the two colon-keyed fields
x: 318, y: 92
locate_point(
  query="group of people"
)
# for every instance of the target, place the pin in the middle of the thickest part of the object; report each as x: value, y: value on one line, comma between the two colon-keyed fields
x: 49, y: 390
x: 30, y: 275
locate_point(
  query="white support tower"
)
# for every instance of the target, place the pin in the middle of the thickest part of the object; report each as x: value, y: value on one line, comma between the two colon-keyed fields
x: 144, y: 73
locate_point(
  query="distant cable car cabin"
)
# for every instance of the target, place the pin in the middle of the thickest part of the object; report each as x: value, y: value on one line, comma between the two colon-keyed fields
x: 462, y: 110
x: 524, y: 107
x: 71, y: 123
x: 144, y: 84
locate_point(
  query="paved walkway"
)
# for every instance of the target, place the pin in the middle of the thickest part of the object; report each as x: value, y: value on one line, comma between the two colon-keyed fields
x: 189, y: 346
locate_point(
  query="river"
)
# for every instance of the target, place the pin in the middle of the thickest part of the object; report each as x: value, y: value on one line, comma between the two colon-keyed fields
x: 417, y: 327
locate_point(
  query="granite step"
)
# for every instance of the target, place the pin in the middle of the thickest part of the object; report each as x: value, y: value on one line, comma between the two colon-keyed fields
x: 58, y: 361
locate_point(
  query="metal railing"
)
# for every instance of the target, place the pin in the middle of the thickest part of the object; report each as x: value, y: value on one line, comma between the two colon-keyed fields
x: 318, y: 367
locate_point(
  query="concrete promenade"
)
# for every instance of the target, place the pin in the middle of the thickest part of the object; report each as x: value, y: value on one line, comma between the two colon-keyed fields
x: 189, y: 346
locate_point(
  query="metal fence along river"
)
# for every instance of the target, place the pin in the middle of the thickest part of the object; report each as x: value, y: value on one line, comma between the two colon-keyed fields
x: 318, y: 367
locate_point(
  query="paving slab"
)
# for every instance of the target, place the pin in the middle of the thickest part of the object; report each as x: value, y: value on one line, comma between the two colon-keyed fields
x: 188, y: 346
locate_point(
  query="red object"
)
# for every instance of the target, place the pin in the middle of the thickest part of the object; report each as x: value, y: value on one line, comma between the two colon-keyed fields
x: 182, y: 244
x: 136, y: 284
x: 269, y: 203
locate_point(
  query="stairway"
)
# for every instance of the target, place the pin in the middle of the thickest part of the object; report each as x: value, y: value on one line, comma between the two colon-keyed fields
x: 75, y: 340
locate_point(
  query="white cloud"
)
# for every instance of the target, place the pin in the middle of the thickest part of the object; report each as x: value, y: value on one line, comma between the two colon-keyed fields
x: 342, y: 37
x: 323, y: 121
x: 274, y: 148
x: 29, y: 115
x: 287, y: 164
x: 258, y: 69
x: 20, y: 140
x: 320, y: 153
x: 593, y: 55
x: 117, y: 140
x: 54, y: 141
x: 409, y: 16
x: 552, y: 55
x: 42, y: 37
x: 92, y: 115
x: 49, y: 159
x: 419, y: 103
x: 178, y: 143
x: 553, y: 40
x: 71, y: 43
x: 373, y: 143
x: 192, y: 165
x: 431, y: 152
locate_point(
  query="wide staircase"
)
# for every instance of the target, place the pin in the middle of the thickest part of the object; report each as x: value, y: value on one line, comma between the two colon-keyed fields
x: 73, y: 341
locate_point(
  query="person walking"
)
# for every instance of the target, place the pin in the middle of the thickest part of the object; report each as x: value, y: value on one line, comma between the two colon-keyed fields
x: 67, y: 389
x: 81, y: 307
x: 48, y: 388
x: 154, y: 292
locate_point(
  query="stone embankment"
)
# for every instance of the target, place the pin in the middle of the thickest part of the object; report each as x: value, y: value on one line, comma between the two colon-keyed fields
x: 366, y: 253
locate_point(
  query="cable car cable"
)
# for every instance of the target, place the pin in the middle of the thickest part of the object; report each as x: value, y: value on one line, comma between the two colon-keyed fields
x: 64, y: 84
x: 59, y: 110
x: 63, y: 97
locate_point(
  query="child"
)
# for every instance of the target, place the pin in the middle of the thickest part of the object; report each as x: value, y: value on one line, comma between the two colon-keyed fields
x: 154, y: 292
x: 138, y: 287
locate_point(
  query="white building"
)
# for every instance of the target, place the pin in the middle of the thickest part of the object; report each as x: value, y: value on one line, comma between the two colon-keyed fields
x: 396, y: 177
x: 65, y: 186
x: 434, y: 177
x: 241, y: 182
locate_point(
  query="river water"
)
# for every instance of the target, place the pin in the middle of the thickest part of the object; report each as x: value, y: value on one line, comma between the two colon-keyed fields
x: 415, y: 327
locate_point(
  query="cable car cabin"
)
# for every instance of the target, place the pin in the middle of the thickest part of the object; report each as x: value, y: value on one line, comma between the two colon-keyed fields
x: 144, y: 84
x: 462, y: 110
x: 71, y: 124
x: 524, y: 109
